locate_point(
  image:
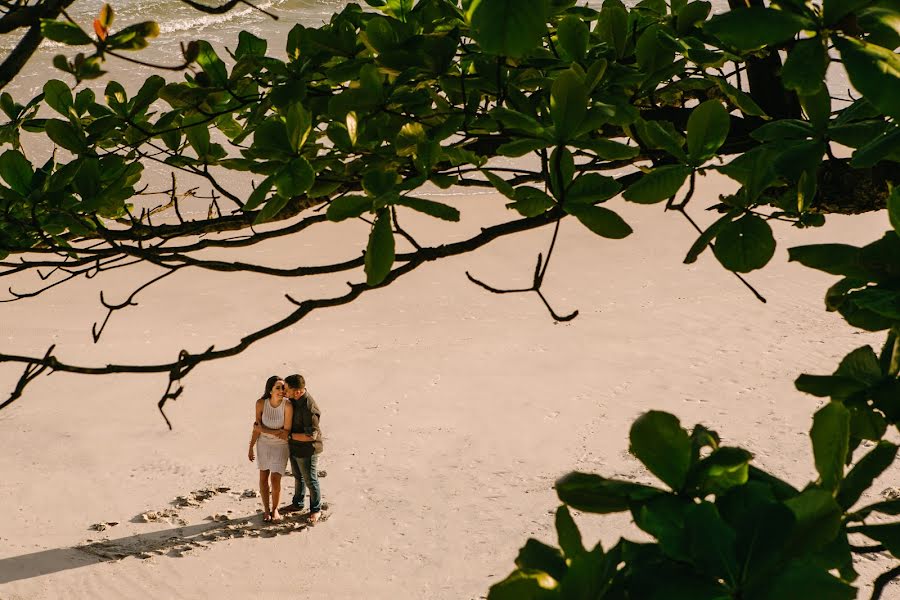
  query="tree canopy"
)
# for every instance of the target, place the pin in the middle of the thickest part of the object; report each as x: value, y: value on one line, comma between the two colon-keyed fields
x: 357, y: 116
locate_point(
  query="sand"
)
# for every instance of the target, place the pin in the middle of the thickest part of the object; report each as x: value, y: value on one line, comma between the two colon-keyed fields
x: 449, y: 412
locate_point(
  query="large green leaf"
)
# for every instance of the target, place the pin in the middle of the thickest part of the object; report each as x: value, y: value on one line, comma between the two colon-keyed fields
x: 573, y: 35
x: 348, y: 207
x: 64, y: 32
x: 707, y: 129
x: 755, y: 27
x: 568, y: 534
x: 893, y: 205
x: 531, y: 201
x: 874, y: 71
x: 538, y: 556
x: 804, y: 579
x: 16, y: 171
x: 380, y: 251
x: 659, y: 184
x: 711, y: 543
x: 568, y: 103
x: 295, y: 178
x: 592, y: 188
x: 58, y: 96
x: 658, y: 441
x: 834, y: 10
x: 804, y: 70
x: 429, y: 207
x: 273, y: 206
x: 830, y: 436
x: 600, y: 220
x: 745, y: 244
x: 595, y: 494
x: 508, y: 27
x: 65, y: 135
x: 525, y: 585
x: 707, y: 236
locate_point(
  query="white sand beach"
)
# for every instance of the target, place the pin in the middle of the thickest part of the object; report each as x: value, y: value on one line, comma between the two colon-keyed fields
x: 449, y: 412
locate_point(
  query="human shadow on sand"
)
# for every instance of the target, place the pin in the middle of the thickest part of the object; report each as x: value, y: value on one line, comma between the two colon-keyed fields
x: 175, y: 542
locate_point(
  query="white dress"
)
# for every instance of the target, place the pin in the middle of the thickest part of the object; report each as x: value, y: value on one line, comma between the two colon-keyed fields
x: 271, y: 451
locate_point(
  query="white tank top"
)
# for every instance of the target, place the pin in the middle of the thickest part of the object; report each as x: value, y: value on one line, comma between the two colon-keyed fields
x: 273, y: 416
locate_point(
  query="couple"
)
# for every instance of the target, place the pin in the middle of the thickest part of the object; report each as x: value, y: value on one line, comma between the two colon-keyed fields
x: 287, y: 426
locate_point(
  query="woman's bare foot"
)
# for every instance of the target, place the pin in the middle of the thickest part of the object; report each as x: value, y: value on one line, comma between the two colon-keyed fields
x: 312, y: 518
x: 266, y: 517
x: 276, y: 516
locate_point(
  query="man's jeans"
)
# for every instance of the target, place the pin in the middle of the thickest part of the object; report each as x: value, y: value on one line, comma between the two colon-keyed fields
x: 306, y: 473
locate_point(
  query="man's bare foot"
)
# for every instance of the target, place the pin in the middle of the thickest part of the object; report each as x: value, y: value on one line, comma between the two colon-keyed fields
x: 312, y: 518
x: 276, y: 516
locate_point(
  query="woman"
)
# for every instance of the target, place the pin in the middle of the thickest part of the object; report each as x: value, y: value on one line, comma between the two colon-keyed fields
x: 274, y: 414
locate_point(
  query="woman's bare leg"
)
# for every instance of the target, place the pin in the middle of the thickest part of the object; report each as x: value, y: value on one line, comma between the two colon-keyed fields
x: 276, y: 495
x: 264, y: 494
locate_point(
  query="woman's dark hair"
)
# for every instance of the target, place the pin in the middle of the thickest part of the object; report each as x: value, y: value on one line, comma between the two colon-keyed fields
x: 270, y: 383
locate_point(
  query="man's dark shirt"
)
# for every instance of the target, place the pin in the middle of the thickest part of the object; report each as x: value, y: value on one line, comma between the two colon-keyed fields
x: 306, y: 420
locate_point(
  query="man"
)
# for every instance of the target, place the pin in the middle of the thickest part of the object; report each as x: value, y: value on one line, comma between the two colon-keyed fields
x: 305, y: 446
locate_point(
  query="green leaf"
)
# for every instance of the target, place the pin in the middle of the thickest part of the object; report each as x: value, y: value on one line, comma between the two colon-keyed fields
x: 722, y: 470
x: 834, y: 10
x: 16, y: 171
x: 298, y: 124
x: 250, y: 45
x: 525, y: 585
x: 380, y: 251
x: 521, y: 147
x: 600, y: 220
x: 742, y: 100
x: 508, y: 27
x: 874, y: 71
x: 659, y: 184
x: 501, y: 185
x: 212, y: 65
x: 824, y: 386
x: 707, y: 129
x: 755, y: 27
x: 568, y: 534
x: 274, y: 206
x: 804, y: 70
x: 659, y: 442
x: 592, y: 188
x: 58, y: 96
x: 537, y: 556
x: 348, y: 207
x: 530, y: 201
x: 65, y: 135
x: 295, y: 178
x: 893, y: 206
x: 707, y: 236
x: 861, y: 476
x: 862, y: 365
x: 429, y: 207
x: 691, y: 14
x: 745, y: 244
x: 64, y: 32
x: 803, y: 579
x: 595, y: 494
x: 612, y: 26
x: 568, y: 103
x: 133, y: 37
x: 818, y: 519
x: 258, y: 195
x: 573, y: 35
x: 830, y: 436
x: 875, y: 151
x: 711, y: 542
